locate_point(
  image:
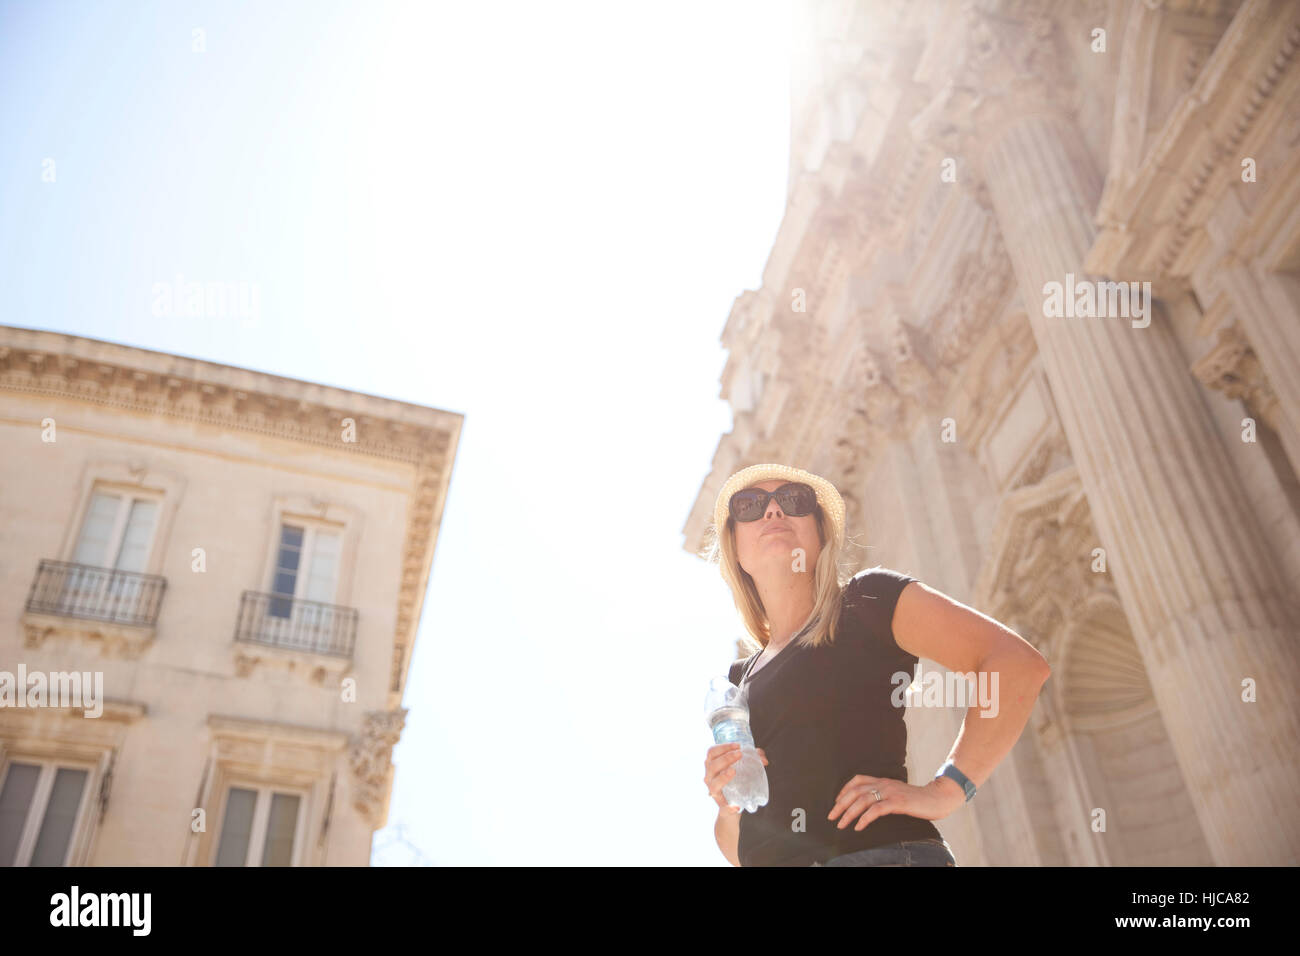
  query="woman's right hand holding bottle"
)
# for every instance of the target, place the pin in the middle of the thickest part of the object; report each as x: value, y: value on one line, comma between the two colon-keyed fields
x: 720, y: 767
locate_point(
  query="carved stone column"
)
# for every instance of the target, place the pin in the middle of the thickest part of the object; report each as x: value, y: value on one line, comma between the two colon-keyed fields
x: 1072, y: 793
x: 1207, y: 607
x: 1197, y: 584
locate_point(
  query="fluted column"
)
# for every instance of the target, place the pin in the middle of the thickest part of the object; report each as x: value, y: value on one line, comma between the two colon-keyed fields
x: 1072, y: 795
x: 1197, y: 581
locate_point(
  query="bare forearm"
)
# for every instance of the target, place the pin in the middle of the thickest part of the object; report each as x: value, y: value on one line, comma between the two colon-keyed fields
x: 726, y: 830
x: 993, y: 725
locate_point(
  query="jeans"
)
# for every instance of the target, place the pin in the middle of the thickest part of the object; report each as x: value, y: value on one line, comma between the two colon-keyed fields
x: 906, y: 853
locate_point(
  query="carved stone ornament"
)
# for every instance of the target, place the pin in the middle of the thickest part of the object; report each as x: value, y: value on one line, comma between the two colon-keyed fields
x: 1012, y: 65
x: 120, y: 641
x: 370, y: 759
x: 1054, y: 448
x: 1040, y: 564
x: 983, y: 282
x: 322, y: 670
x: 1232, y: 367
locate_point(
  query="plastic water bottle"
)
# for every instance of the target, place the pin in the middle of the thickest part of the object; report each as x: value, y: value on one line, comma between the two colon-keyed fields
x: 727, y: 710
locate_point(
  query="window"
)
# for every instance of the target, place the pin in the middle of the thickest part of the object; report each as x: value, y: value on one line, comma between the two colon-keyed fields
x: 260, y: 827
x: 117, y: 531
x: 306, y: 567
x: 116, y: 536
x: 307, y: 571
x: 41, y: 803
x: 268, y: 789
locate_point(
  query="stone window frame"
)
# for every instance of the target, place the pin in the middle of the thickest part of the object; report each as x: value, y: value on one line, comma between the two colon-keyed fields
x: 313, y: 512
x: 63, y: 735
x: 129, y: 478
x: 265, y: 754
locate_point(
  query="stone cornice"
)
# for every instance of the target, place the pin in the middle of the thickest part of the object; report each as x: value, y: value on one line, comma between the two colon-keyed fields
x: 1014, y: 61
x: 244, y: 728
x: 1164, y: 49
x: 118, y: 376
x: 293, y: 754
x: 113, y: 710
x: 138, y: 380
x: 1149, y: 225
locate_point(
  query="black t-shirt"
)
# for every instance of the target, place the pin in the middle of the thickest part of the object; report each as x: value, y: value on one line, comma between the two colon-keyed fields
x: 821, y: 716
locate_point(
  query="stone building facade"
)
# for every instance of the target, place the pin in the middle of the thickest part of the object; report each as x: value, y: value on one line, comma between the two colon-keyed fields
x: 238, y: 561
x: 1120, y: 490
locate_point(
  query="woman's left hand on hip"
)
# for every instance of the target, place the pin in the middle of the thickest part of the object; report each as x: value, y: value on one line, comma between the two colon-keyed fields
x: 931, y: 802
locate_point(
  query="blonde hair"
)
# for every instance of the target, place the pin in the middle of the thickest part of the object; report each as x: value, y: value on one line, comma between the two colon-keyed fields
x: 829, y: 579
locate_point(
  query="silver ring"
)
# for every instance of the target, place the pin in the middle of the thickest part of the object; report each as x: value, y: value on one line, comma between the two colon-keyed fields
x: 877, y: 794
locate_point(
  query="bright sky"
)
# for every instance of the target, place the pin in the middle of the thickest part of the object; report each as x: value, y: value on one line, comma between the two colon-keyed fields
x: 535, y: 214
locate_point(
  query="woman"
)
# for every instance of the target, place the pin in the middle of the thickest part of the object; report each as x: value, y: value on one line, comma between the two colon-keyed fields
x: 822, y: 686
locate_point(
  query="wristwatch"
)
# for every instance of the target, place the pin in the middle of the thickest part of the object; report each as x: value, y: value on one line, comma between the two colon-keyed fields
x: 949, y: 770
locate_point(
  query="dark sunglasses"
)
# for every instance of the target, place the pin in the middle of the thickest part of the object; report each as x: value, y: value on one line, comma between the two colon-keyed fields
x: 795, y: 498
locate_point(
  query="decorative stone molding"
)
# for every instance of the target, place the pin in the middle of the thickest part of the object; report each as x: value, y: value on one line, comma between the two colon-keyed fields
x: 1151, y: 218
x: 123, y: 387
x: 370, y: 758
x: 983, y: 283
x: 863, y: 207
x: 274, y: 751
x: 910, y: 354
x: 319, y: 669
x: 869, y: 407
x: 119, y: 641
x: 902, y: 189
x: 1163, y: 51
x: 1227, y: 150
x: 1054, y: 449
x: 70, y: 727
x: 1039, y: 568
x: 1232, y: 367
x: 417, y: 559
x: 1014, y: 63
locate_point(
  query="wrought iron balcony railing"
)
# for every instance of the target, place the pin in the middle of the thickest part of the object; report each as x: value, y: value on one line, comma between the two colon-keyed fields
x: 96, y: 594
x: 283, y: 621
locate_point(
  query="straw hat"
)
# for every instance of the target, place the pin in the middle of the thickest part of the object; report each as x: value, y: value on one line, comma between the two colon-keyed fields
x: 832, y: 504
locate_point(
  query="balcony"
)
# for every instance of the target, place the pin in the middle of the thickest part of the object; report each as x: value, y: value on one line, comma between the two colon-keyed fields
x: 293, y: 632
x: 119, y: 609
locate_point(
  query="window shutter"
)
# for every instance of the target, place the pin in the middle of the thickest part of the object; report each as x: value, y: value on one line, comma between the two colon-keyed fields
x: 96, y: 530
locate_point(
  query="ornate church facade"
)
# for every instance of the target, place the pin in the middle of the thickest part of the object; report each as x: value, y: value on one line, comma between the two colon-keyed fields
x: 1033, y: 307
